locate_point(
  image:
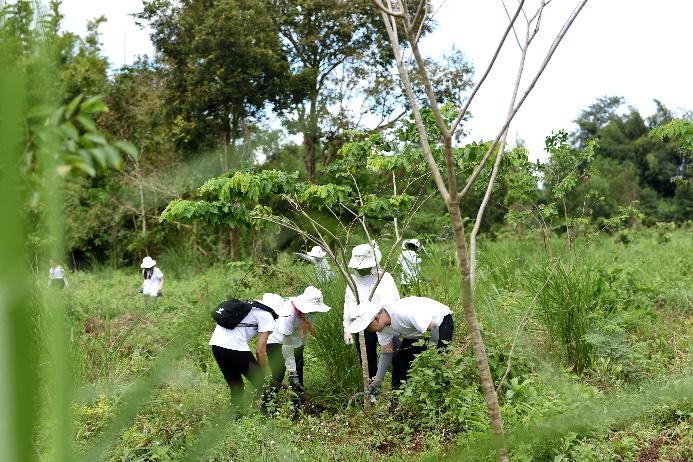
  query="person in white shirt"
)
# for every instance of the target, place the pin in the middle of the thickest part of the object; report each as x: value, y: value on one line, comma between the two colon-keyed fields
x: 365, y: 261
x: 56, y: 276
x: 410, y: 262
x: 153, y: 278
x: 232, y: 353
x: 316, y: 256
x: 410, y: 318
x: 285, y: 345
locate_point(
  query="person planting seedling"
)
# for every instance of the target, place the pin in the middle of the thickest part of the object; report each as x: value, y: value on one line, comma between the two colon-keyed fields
x: 410, y: 318
x: 410, y: 262
x: 316, y: 256
x: 238, y: 322
x: 367, y: 274
x: 285, y: 345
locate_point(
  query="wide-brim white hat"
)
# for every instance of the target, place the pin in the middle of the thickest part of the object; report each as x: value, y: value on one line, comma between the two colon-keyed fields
x: 148, y: 262
x: 365, y: 256
x: 274, y: 301
x: 365, y: 313
x: 310, y: 301
x: 317, y: 252
x: 414, y: 242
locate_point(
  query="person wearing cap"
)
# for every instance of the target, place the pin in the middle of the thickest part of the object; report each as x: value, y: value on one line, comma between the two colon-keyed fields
x: 410, y: 318
x: 153, y: 278
x: 232, y: 353
x: 410, y: 262
x: 365, y: 261
x: 285, y: 345
x: 316, y: 256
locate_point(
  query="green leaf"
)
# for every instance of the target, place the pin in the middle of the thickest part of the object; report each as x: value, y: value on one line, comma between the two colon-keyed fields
x: 127, y: 148
x: 72, y: 106
x: 86, y: 122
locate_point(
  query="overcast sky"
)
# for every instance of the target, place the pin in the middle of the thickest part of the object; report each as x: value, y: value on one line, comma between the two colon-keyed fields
x: 638, y: 49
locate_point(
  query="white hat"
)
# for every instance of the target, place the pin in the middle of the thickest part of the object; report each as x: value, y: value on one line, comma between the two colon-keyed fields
x: 365, y: 256
x: 274, y: 301
x: 310, y: 301
x: 365, y: 313
x: 414, y: 242
x: 148, y: 262
x: 317, y: 252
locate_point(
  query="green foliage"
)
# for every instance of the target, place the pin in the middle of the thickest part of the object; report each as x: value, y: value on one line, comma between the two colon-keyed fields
x: 82, y: 147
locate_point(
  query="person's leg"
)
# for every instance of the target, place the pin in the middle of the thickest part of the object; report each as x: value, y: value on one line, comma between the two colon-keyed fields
x: 445, y: 331
x: 298, y: 354
x: 371, y: 351
x: 275, y: 359
x: 231, y: 367
x: 401, y: 362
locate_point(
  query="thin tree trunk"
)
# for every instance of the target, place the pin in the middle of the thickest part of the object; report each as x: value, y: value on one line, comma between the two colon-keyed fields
x: 472, y: 322
x: 235, y: 244
x: 310, y: 137
x: 394, y: 189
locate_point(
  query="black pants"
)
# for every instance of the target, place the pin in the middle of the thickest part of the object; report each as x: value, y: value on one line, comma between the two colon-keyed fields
x: 407, y: 351
x: 234, y: 365
x: 371, y: 351
x: 276, y: 362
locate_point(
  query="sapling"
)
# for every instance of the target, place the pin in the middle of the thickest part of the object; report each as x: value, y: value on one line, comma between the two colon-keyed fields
x: 403, y: 26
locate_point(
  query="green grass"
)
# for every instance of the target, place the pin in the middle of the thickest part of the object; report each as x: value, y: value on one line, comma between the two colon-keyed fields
x: 147, y: 388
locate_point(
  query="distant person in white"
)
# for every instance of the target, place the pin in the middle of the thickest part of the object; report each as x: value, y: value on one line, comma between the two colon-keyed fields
x: 285, y: 345
x: 232, y: 353
x: 366, y: 270
x: 153, y: 278
x: 316, y: 256
x: 56, y: 276
x: 410, y: 262
x: 409, y: 317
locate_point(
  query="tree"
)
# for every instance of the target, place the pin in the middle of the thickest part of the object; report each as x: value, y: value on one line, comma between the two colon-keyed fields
x: 624, y: 139
x: 400, y: 22
x: 225, y: 65
x: 319, y: 38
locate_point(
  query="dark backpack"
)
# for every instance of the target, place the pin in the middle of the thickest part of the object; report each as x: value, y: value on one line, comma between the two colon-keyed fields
x: 230, y: 313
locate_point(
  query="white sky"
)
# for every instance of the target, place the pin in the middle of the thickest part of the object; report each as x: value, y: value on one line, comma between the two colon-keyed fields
x: 639, y: 49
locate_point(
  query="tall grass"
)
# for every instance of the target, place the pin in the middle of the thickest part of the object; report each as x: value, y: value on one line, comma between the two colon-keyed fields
x: 567, y: 308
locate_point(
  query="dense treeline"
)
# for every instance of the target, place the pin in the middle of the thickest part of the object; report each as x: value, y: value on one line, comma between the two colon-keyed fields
x: 241, y: 84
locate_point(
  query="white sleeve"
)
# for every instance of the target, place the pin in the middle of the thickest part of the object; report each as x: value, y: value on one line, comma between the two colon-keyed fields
x: 265, y: 321
x: 384, y: 338
x: 289, y: 358
x: 285, y: 325
x: 349, y: 307
x: 157, y: 274
x: 420, y: 320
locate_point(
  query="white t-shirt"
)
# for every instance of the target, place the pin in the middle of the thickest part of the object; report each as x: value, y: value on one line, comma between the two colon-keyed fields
x: 410, y: 263
x: 56, y: 273
x: 287, y: 329
x: 385, y: 293
x: 151, y: 286
x: 411, y: 316
x: 238, y: 338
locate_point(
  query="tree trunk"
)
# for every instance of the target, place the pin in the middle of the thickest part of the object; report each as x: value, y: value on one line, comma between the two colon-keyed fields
x: 310, y: 135
x: 473, y: 325
x: 235, y: 244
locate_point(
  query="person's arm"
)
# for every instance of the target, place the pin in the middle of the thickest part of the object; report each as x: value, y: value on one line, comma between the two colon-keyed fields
x: 435, y: 332
x: 261, y: 350
x: 65, y: 279
x: 349, y: 304
x: 303, y: 256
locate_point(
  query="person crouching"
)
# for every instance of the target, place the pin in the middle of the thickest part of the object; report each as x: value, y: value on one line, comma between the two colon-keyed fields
x: 410, y: 318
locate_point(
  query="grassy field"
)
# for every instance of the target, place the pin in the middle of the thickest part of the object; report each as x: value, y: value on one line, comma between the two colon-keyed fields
x: 601, y: 364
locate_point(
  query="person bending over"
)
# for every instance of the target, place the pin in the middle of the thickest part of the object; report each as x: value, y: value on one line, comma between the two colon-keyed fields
x: 410, y: 318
